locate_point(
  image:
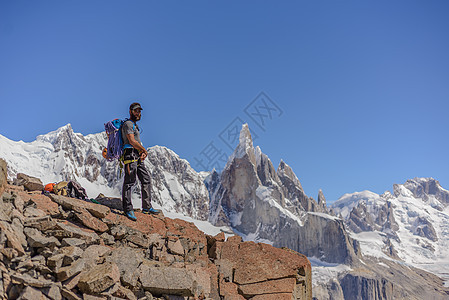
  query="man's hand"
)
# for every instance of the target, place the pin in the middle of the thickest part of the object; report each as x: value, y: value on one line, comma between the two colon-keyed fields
x: 143, y: 155
x: 142, y: 151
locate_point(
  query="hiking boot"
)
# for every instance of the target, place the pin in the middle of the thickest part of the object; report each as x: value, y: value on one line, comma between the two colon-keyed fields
x: 130, y: 215
x: 150, y: 211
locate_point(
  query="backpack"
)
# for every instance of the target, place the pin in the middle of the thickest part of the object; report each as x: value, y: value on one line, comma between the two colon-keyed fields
x: 115, y: 147
x: 114, y: 150
x: 60, y: 188
x: 75, y: 190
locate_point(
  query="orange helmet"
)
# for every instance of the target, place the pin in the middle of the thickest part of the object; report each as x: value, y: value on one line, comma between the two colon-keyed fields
x: 105, y: 152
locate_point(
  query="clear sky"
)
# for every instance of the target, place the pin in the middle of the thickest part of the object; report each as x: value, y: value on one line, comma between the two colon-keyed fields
x: 356, y: 92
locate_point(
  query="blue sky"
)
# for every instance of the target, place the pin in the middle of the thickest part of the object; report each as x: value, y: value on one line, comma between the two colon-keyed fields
x: 361, y: 87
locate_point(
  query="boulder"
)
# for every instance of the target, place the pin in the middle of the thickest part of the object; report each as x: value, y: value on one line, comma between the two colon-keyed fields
x: 6, y: 211
x: 68, y: 294
x: 73, y: 242
x: 97, y: 210
x: 17, y: 227
x: 175, y: 247
x: 257, y: 262
x: 99, y: 278
x: 128, y: 260
x: 30, y: 293
x: 64, y: 257
x: 90, y: 221
x: 37, y: 240
x: 139, y: 239
x: 32, y: 212
x: 30, y: 183
x: 94, y: 254
x: 166, y: 280
x: 261, y: 269
x: 67, y: 230
x: 26, y: 279
x: 53, y: 292
x: 67, y: 272
x: 40, y: 223
x: 12, y: 240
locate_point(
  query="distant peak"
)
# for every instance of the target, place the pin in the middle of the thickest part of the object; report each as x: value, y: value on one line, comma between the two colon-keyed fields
x: 245, y: 136
x: 52, y: 136
x: 65, y: 127
x: 422, y: 187
x: 284, y: 170
x: 245, y: 146
x: 321, y: 198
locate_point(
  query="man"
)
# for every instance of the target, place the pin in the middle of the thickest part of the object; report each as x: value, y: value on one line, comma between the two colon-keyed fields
x: 134, y: 156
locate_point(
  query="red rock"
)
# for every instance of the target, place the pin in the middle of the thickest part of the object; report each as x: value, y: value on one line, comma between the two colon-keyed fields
x: 42, y: 202
x: 229, y: 291
x: 260, y: 262
x: 220, y: 237
x: 235, y: 239
x: 90, y: 221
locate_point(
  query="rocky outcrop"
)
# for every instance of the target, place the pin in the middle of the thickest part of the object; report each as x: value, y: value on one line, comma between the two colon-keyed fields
x: 256, y: 201
x: 361, y: 286
x: 424, y: 228
x: 54, y: 248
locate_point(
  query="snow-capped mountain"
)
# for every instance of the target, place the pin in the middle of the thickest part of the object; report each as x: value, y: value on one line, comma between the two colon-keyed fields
x: 411, y: 224
x: 394, y: 231
x: 270, y: 206
x: 65, y: 155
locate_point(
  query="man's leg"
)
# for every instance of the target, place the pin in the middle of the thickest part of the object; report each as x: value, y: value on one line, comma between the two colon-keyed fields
x: 128, y: 183
x: 145, y: 181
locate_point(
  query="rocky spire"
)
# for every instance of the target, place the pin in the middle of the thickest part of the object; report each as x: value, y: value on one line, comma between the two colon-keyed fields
x: 285, y: 170
x: 245, y: 147
x: 322, y: 201
x: 321, y: 198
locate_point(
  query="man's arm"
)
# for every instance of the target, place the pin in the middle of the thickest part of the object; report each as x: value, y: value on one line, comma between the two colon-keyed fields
x: 132, y: 141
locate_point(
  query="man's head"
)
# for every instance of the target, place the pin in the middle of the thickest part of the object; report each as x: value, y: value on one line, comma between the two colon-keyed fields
x: 135, y: 111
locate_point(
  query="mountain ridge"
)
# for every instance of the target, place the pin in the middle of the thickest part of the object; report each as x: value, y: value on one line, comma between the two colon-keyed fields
x: 248, y: 188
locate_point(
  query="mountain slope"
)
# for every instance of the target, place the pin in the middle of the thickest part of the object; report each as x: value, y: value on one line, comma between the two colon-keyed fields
x: 412, y: 224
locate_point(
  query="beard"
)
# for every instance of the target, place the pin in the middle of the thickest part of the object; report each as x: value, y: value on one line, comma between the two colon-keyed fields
x: 135, y: 118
